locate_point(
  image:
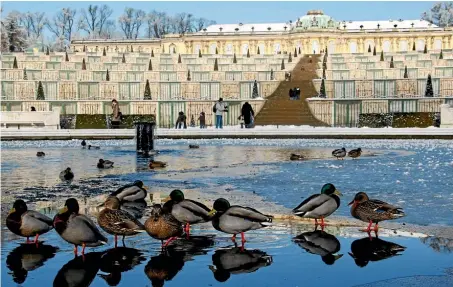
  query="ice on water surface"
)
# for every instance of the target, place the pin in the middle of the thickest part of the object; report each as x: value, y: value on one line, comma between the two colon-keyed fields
x: 411, y: 173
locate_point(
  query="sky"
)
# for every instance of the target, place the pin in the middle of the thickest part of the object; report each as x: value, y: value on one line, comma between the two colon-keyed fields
x: 245, y: 12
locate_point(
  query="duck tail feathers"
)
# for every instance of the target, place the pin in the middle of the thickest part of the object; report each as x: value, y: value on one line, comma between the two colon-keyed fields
x: 398, y: 213
x: 299, y: 213
x: 264, y: 224
x: 103, y: 242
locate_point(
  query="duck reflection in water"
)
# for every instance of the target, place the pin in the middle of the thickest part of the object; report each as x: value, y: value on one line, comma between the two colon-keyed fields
x: 237, y: 260
x: 166, y: 265
x: 79, y: 271
x: 320, y: 243
x: 26, y: 258
x: 365, y: 250
x: 117, y: 260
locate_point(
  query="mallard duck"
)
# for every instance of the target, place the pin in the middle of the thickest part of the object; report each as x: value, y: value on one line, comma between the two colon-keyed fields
x: 320, y: 206
x: 320, y: 243
x: 187, y: 211
x: 93, y: 147
x: 40, y: 154
x: 373, y: 210
x: 84, y: 144
x: 66, y: 174
x: 131, y: 192
x: 365, y: 250
x: 27, y: 223
x: 339, y: 153
x: 355, y: 153
x: 28, y: 257
x: 236, y: 261
x: 237, y: 219
x: 77, y: 229
x: 153, y: 164
x: 194, y: 146
x: 79, y: 271
x: 118, y: 222
x: 162, y: 225
x: 296, y: 157
x: 104, y: 163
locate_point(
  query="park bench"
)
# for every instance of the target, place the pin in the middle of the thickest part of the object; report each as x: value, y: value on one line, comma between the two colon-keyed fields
x: 18, y: 120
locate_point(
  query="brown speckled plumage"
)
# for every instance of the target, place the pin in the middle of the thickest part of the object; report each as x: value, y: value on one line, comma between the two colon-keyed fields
x: 373, y: 210
x: 162, y: 225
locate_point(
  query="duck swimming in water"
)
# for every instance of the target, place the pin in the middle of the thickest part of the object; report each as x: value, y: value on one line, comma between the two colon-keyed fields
x: 373, y: 210
x: 237, y: 219
x: 104, y: 163
x: 27, y: 223
x: 66, y: 174
x: 296, y: 157
x: 118, y: 222
x: 339, y: 153
x: 355, y: 153
x: 40, y: 154
x: 93, y: 147
x: 83, y: 143
x: 77, y: 229
x: 320, y: 206
x: 154, y: 164
x: 187, y: 211
x: 194, y: 146
x: 131, y: 192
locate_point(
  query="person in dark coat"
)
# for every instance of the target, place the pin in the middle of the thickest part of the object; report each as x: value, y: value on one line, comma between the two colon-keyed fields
x: 181, y: 121
x: 291, y: 94
x: 248, y: 114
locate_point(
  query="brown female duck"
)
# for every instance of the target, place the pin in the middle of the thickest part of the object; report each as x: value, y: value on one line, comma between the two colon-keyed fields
x: 118, y: 222
x: 162, y: 225
x: 373, y: 210
x: 154, y: 164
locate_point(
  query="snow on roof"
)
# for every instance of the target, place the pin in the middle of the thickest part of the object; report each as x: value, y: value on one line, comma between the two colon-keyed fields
x: 350, y: 25
x: 230, y: 28
x: 387, y: 24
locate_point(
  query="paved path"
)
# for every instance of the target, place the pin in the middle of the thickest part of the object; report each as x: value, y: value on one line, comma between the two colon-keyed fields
x: 234, y: 132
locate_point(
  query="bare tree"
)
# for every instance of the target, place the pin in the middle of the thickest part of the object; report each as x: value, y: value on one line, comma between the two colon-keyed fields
x: 62, y: 24
x: 131, y: 21
x: 183, y: 23
x: 159, y: 24
x: 441, y: 14
x: 202, y: 23
x: 108, y: 30
x: 94, y: 19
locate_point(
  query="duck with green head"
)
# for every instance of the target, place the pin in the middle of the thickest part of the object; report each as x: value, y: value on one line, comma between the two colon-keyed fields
x: 27, y: 223
x: 320, y: 206
x: 118, y: 222
x: 237, y: 219
x: 77, y: 229
x: 187, y: 211
x: 131, y: 192
x: 162, y: 225
x: 373, y: 210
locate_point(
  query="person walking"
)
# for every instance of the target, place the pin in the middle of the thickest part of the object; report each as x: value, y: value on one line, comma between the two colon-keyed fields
x: 248, y: 115
x: 219, y: 108
x: 116, y: 117
x: 291, y: 94
x: 202, y: 119
x: 181, y: 121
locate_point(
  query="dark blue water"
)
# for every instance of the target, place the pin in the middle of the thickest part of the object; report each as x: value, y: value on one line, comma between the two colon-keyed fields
x: 270, y: 258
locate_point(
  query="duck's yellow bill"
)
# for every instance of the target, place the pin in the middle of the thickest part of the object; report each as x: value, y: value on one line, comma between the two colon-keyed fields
x: 212, y: 212
x: 338, y: 256
x: 145, y: 187
x: 63, y: 210
x: 337, y: 192
x: 12, y: 210
x: 168, y: 198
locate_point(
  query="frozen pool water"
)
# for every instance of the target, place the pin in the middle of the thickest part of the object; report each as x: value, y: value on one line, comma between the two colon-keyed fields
x: 413, y: 174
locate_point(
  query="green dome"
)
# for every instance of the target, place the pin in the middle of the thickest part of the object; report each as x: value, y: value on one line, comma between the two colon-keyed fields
x: 317, y: 20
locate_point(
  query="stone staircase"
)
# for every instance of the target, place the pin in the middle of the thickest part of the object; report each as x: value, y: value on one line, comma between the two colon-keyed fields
x: 280, y: 110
